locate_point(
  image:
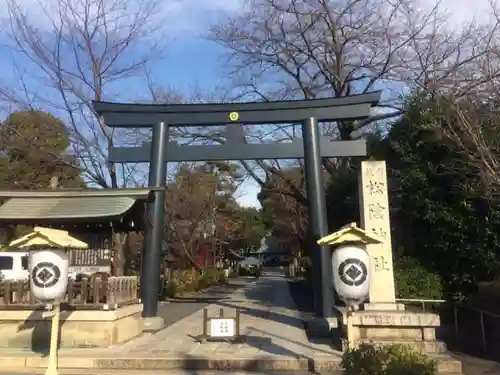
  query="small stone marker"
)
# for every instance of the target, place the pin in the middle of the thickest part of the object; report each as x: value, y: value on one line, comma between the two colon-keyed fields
x: 221, y: 328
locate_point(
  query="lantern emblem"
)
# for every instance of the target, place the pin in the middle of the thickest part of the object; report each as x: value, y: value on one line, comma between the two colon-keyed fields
x: 45, y: 274
x: 353, y: 272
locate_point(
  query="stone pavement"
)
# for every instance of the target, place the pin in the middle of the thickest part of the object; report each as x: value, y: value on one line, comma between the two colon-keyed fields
x: 477, y: 366
x: 268, y: 318
x: 161, y: 372
x: 276, y: 341
x: 175, y: 309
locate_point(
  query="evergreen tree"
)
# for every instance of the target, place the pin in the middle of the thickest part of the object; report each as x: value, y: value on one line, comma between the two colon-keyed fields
x: 33, y: 148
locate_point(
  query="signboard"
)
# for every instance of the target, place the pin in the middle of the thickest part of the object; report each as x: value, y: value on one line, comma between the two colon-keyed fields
x: 222, y: 327
x: 85, y: 269
x: 74, y: 271
x: 89, y: 257
x: 97, y: 258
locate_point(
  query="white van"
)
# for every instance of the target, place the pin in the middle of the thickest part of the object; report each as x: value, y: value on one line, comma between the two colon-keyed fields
x: 14, y: 266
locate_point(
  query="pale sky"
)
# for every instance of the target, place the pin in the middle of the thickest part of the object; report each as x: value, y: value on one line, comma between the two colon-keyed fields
x: 463, y: 10
x: 179, y: 16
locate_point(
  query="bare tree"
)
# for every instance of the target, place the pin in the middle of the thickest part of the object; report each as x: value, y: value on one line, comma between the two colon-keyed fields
x: 472, y: 125
x: 296, y: 49
x: 289, y: 215
x: 84, y: 50
x: 199, y: 199
x: 469, y: 112
x: 318, y: 48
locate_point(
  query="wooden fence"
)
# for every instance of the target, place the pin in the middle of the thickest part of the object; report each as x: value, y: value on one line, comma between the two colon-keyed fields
x: 89, y: 293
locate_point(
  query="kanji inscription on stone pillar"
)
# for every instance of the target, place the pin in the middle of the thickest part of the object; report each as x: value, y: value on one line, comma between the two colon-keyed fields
x: 374, y: 206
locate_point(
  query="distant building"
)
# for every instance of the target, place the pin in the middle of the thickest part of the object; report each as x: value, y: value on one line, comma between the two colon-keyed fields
x: 271, y: 248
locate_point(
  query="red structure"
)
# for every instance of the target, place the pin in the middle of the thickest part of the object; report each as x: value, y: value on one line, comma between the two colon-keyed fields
x: 205, y: 254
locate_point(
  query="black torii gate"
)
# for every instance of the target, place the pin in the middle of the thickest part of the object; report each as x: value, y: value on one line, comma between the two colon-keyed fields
x: 313, y: 147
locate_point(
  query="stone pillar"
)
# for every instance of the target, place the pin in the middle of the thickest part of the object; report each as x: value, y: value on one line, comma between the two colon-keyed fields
x: 374, y: 206
x: 382, y: 320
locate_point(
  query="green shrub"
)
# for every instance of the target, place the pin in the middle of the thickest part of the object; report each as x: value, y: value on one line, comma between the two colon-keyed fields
x: 413, y: 280
x: 191, y: 280
x: 203, y: 282
x: 387, y: 360
x: 186, y: 280
x: 171, y: 289
x: 213, y: 276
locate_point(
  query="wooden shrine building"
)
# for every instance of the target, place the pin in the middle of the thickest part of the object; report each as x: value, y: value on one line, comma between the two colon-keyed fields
x: 99, y: 217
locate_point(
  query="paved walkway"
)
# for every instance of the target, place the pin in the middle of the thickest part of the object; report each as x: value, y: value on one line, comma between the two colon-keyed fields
x: 268, y: 318
x: 174, y: 309
x: 478, y: 366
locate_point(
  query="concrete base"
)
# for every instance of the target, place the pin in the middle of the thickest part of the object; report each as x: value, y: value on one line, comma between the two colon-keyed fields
x: 29, y: 329
x: 321, y: 327
x: 386, y: 327
x: 153, y: 323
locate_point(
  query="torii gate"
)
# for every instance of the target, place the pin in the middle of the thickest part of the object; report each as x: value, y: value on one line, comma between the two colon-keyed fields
x: 312, y: 147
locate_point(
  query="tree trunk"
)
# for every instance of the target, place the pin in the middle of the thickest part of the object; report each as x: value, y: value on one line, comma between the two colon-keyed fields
x: 118, y: 251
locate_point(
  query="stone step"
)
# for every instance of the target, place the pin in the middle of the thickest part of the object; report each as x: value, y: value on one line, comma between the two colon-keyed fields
x: 446, y: 364
x: 36, y: 371
x: 429, y: 347
x: 267, y: 364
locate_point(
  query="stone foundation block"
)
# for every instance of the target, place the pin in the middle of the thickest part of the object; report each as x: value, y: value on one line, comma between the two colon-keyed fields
x: 28, y: 329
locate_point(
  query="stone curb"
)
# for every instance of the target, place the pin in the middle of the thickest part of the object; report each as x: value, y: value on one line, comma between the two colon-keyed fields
x: 256, y: 364
x: 34, y: 371
x: 193, y: 295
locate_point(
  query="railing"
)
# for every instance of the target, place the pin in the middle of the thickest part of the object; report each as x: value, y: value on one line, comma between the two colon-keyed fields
x: 89, y: 293
x: 123, y: 290
x: 424, y: 304
x: 471, y: 330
